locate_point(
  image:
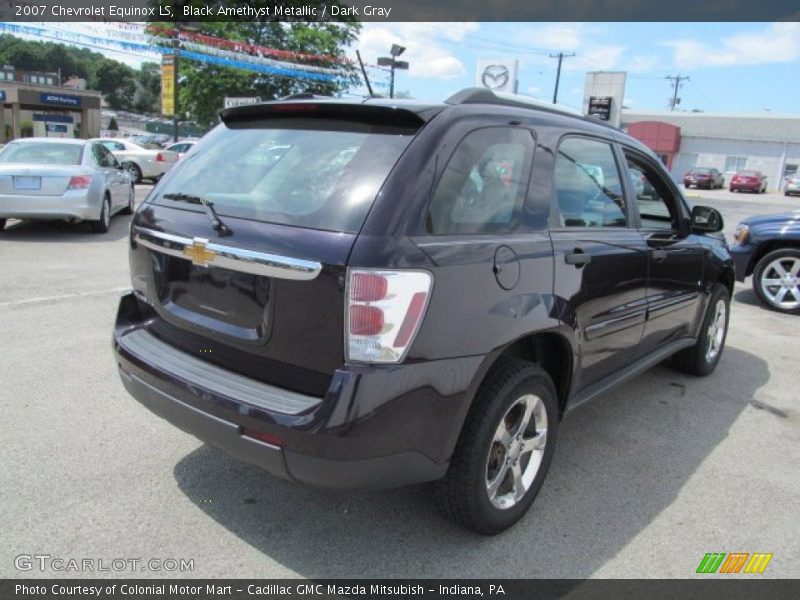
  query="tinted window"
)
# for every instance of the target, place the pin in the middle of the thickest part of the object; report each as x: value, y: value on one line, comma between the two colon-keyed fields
x: 42, y: 153
x: 106, y: 158
x: 588, y: 186
x: 315, y: 173
x: 483, y: 187
x: 656, y: 204
x: 113, y: 146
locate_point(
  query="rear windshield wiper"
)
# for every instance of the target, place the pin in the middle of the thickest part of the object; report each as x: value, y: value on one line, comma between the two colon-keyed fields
x: 208, y: 206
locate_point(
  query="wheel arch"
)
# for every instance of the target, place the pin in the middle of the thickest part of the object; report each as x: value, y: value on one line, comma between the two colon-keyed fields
x: 552, y: 350
x: 769, y: 246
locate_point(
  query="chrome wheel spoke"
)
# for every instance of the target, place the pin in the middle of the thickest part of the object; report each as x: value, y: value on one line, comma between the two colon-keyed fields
x: 516, y: 451
x: 771, y: 282
x: 494, y: 485
x: 502, y: 435
x: 780, y: 295
x: 779, y: 268
x: 535, y: 443
x: 519, y: 488
x: 795, y: 268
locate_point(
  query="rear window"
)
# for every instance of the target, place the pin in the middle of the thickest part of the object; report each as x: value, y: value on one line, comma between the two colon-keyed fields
x: 749, y: 173
x: 313, y: 173
x: 49, y: 153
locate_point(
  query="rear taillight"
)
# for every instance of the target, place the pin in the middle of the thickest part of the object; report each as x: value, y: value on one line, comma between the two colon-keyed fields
x: 79, y: 182
x: 383, y: 313
x: 161, y: 157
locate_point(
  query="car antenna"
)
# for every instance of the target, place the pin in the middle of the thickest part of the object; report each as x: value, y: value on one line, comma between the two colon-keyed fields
x: 366, y: 77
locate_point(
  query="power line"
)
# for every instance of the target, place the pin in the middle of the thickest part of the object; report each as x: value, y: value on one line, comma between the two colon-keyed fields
x: 677, y: 83
x: 560, y: 56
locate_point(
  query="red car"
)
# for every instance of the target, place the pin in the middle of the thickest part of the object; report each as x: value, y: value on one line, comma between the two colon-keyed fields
x: 749, y: 181
x: 705, y: 177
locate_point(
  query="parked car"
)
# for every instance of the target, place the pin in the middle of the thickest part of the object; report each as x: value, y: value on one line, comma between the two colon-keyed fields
x: 142, y: 163
x: 749, y: 181
x: 768, y: 248
x: 182, y: 148
x: 57, y: 178
x: 385, y: 300
x: 792, y: 186
x: 708, y: 178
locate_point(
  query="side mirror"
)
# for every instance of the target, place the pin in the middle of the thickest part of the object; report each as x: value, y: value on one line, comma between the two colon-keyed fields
x: 706, y: 220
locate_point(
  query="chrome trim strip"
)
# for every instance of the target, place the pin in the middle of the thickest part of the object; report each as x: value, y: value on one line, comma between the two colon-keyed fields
x: 230, y: 257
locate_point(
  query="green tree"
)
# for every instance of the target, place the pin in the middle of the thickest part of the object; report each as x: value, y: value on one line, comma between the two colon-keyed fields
x: 203, y: 87
x: 112, y: 124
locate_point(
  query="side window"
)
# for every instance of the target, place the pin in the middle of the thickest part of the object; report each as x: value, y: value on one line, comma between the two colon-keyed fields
x: 108, y: 158
x: 588, y: 186
x: 483, y: 188
x: 97, y: 155
x: 657, y: 206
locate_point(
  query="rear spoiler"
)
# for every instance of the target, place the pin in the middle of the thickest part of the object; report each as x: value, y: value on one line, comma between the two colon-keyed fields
x: 371, y: 114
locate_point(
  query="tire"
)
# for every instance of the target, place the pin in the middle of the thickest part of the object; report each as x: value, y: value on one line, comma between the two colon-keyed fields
x: 102, y: 224
x: 2, y: 224
x: 128, y: 210
x: 497, y: 444
x: 134, y: 170
x: 767, y: 269
x: 702, y: 358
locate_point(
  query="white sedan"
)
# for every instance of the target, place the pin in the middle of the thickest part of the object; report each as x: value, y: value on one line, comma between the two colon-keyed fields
x: 182, y: 147
x: 142, y: 163
x: 55, y: 178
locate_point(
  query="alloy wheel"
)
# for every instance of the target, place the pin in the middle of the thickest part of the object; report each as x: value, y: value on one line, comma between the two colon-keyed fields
x: 716, y: 330
x: 516, y: 451
x: 780, y: 282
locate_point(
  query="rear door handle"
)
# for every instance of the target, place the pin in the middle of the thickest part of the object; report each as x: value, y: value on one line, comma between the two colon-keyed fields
x: 578, y: 258
x: 659, y: 255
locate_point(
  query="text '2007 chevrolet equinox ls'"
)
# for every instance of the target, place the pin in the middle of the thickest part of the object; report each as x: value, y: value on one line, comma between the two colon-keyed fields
x: 380, y: 293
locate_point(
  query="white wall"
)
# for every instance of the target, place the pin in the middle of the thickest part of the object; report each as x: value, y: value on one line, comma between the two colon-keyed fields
x: 766, y: 157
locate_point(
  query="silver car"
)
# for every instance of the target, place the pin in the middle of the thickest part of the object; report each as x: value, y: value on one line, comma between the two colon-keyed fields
x: 54, y: 178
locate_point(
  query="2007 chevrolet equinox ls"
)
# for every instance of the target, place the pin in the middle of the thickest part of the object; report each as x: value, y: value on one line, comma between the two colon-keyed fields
x: 380, y: 293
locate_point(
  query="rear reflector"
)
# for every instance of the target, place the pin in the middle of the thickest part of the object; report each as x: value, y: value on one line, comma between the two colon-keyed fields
x: 79, y: 182
x: 384, y: 313
x: 262, y: 436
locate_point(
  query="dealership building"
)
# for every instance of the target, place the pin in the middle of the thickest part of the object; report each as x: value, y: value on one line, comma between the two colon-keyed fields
x: 53, y: 110
x: 765, y: 142
x: 729, y: 142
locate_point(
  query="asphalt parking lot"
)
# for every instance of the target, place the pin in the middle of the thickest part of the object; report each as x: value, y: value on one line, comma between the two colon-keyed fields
x: 645, y: 481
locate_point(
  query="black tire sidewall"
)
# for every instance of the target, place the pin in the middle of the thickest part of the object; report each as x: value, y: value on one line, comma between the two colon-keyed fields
x: 759, y: 271
x: 526, y: 381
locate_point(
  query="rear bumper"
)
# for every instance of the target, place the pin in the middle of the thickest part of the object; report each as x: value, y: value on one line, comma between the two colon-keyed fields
x: 76, y: 204
x: 749, y: 187
x: 377, y: 426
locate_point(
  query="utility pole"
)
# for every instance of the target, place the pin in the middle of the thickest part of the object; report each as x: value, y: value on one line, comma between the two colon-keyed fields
x: 677, y: 83
x: 560, y: 56
x: 177, y: 43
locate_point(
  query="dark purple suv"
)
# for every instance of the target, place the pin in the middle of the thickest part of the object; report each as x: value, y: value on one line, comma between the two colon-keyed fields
x: 380, y: 293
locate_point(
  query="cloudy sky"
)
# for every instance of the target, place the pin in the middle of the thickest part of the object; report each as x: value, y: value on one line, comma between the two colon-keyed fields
x: 734, y: 67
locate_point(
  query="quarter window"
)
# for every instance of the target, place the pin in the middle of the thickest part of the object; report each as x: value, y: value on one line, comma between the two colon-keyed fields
x: 656, y: 204
x: 483, y: 188
x: 588, y: 186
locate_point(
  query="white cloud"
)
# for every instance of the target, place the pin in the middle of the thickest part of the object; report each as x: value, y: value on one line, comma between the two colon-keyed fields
x: 426, y: 56
x: 534, y: 90
x: 776, y: 43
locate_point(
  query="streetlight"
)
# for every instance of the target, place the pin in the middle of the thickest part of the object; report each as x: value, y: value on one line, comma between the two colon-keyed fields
x: 393, y: 63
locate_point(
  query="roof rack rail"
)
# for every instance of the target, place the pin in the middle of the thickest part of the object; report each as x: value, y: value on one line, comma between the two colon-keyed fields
x: 476, y: 95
